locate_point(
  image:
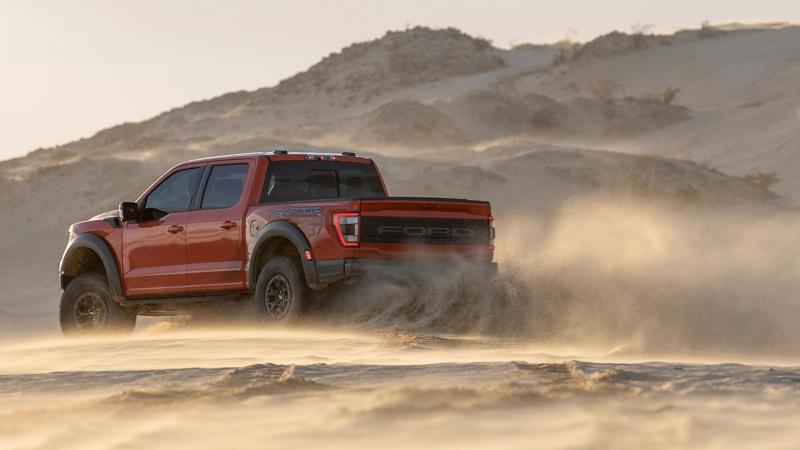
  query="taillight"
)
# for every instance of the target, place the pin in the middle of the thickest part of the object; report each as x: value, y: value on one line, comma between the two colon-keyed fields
x: 347, y: 228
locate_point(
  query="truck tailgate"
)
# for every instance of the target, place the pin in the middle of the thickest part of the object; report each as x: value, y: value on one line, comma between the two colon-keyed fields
x: 397, y: 226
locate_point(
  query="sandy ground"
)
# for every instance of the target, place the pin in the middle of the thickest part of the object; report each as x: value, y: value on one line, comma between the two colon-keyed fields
x: 312, y: 388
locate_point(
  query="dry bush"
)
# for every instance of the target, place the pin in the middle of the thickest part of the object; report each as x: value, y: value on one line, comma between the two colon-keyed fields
x: 669, y: 94
x: 764, y: 179
x: 482, y: 43
x: 640, y: 31
x: 708, y: 165
x: 566, y: 51
x: 642, y: 28
x: 563, y: 56
x: 567, y: 47
x: 707, y: 30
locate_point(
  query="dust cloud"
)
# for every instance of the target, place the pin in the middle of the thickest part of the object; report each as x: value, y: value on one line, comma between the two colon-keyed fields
x: 607, y: 276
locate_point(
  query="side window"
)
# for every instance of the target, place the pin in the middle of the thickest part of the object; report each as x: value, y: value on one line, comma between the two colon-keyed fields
x: 224, y: 186
x: 323, y: 184
x: 175, y: 193
x: 285, y: 183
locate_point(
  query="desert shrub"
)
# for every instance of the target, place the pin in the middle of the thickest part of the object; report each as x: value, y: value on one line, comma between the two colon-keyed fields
x: 764, y: 179
x: 563, y: 56
x: 669, y: 94
x: 707, y: 30
x: 482, y: 43
x: 640, y: 31
x: 567, y: 47
x: 708, y: 165
x: 753, y: 104
x: 604, y: 90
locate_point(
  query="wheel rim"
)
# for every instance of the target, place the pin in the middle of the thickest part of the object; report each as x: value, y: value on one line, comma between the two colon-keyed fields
x: 279, y: 296
x: 90, y: 311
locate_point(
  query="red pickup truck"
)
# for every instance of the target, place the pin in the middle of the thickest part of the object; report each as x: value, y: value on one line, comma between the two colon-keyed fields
x: 266, y: 226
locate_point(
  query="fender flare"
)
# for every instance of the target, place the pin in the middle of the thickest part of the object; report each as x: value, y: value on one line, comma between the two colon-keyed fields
x: 101, y: 248
x: 286, y: 230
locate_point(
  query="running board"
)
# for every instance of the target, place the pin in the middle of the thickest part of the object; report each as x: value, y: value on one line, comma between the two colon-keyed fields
x: 183, y: 300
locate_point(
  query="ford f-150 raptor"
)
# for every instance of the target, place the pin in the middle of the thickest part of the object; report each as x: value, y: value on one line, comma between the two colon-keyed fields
x: 267, y: 226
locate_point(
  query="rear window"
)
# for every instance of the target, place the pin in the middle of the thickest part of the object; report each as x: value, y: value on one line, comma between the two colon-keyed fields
x: 319, y: 180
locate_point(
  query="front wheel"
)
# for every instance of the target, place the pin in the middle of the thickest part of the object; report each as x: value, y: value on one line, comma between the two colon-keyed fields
x: 86, y: 308
x: 280, y: 291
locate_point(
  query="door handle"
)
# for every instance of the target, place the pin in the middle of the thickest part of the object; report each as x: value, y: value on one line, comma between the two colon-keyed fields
x: 227, y: 225
x: 175, y: 229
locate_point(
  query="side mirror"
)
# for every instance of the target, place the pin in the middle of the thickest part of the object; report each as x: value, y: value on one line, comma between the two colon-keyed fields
x: 128, y: 211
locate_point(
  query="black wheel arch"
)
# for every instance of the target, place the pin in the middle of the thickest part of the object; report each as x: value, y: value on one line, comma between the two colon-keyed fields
x: 283, y: 231
x: 88, y: 253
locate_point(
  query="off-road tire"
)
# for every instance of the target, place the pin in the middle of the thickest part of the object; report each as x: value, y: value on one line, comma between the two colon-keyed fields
x: 86, y: 308
x: 280, y: 291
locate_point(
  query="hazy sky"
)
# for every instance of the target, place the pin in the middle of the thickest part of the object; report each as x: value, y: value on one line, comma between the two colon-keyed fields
x: 71, y: 68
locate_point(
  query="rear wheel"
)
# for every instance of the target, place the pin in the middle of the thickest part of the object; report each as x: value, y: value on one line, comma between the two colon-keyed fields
x: 87, y: 308
x: 280, y: 291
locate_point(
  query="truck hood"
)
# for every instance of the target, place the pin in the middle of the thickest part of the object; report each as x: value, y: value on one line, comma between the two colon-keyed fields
x: 104, y: 222
x: 106, y: 215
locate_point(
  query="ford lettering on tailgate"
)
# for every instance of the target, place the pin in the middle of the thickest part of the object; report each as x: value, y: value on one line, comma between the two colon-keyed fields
x: 395, y: 230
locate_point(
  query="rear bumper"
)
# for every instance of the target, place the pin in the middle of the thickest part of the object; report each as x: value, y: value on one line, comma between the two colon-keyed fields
x: 331, y: 271
x: 358, y: 267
